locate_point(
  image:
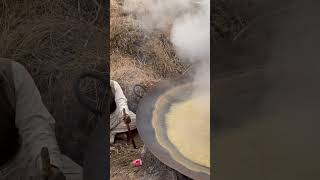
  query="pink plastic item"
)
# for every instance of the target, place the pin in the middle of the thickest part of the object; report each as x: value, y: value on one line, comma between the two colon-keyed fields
x: 137, y: 162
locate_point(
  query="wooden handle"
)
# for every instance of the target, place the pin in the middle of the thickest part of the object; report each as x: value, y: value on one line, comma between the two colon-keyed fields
x: 129, y: 130
x: 46, y: 165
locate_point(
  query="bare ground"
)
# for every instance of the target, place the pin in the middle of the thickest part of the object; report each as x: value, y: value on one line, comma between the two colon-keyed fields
x: 122, y: 154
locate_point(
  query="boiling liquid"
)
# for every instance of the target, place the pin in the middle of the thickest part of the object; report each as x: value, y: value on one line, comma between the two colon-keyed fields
x: 188, y: 128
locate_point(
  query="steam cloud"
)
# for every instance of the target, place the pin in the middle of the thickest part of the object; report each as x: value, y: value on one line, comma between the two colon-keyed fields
x: 189, y: 21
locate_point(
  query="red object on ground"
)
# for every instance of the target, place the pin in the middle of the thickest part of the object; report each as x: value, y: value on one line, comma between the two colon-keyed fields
x: 137, y: 162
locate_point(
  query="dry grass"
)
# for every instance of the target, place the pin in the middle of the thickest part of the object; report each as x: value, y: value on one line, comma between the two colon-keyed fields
x: 151, y: 50
x: 138, y: 57
x: 124, y: 67
x: 56, y: 41
x: 51, y: 38
x: 128, y: 73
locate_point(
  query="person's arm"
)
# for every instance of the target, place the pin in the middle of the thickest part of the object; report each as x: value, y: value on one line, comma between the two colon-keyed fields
x: 32, y: 118
x: 120, y: 99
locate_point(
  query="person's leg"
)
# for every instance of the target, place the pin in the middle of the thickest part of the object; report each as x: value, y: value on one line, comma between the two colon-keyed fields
x: 133, y: 124
x: 70, y: 169
x: 122, y: 127
x: 112, y: 137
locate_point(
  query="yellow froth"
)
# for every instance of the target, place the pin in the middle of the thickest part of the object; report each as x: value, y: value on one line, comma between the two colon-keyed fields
x: 188, y: 128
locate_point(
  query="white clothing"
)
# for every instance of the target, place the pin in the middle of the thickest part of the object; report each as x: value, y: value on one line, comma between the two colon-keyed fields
x: 117, y: 124
x: 35, y: 126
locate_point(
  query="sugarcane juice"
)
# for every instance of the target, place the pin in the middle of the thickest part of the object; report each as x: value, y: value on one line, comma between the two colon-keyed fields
x: 188, y: 128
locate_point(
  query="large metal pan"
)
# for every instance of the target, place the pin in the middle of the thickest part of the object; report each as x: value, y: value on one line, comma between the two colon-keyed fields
x: 146, y: 116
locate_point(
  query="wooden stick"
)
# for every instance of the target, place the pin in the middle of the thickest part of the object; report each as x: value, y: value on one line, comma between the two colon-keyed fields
x: 46, y: 165
x: 129, y: 131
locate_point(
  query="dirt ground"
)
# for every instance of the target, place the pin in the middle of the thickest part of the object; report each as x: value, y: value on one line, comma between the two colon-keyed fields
x: 122, y: 154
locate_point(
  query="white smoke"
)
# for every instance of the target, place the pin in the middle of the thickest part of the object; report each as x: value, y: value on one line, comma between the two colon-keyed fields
x: 191, y: 35
x: 156, y: 14
x: 189, y: 23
